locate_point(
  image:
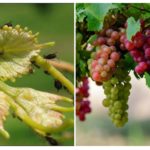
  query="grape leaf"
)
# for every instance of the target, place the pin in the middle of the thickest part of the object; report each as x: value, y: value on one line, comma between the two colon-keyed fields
x: 17, y: 47
x: 83, y: 66
x: 96, y: 13
x: 130, y: 63
x: 39, y: 106
x: 147, y: 78
x: 38, y: 109
x: 80, y: 12
x: 132, y: 27
x: 92, y: 38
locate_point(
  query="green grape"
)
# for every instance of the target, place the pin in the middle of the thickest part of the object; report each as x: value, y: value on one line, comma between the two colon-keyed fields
x: 114, y: 90
x: 117, y: 104
x: 111, y: 101
x: 117, y: 90
x: 119, y: 111
x: 114, y: 80
x: 117, y: 116
x: 106, y: 102
x: 93, y: 55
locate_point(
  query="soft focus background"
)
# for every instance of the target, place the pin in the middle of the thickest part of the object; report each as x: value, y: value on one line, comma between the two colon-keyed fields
x: 55, y: 23
x: 98, y: 128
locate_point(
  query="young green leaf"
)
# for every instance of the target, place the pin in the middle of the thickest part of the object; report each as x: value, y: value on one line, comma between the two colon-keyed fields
x: 96, y: 13
x: 80, y: 12
x: 17, y: 47
x: 37, y: 109
x: 92, y: 38
x: 132, y: 27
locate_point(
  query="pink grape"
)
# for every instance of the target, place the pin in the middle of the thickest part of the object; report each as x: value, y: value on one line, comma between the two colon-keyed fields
x: 147, y: 52
x: 115, y: 35
x: 115, y: 56
x: 129, y: 45
x: 111, y: 63
x: 109, y: 32
x: 96, y: 76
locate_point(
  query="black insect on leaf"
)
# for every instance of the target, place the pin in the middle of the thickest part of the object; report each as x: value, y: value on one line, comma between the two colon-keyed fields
x: 57, y: 84
x: 46, y: 72
x: 31, y: 70
x: 33, y: 62
x: 66, y: 89
x: 51, y: 141
x: 50, y: 56
x: 9, y: 24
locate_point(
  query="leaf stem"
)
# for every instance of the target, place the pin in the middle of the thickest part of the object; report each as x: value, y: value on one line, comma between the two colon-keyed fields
x: 43, y: 63
x: 62, y: 65
x: 62, y: 109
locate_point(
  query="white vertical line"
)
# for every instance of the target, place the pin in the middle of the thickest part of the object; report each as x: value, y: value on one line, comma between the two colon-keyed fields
x: 74, y: 73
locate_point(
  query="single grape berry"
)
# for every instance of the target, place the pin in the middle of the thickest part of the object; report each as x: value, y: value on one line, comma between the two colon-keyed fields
x: 129, y: 45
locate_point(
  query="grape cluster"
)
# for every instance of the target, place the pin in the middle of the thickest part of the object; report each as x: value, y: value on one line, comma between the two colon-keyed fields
x: 117, y: 91
x: 82, y: 102
x: 103, y: 61
x: 139, y: 49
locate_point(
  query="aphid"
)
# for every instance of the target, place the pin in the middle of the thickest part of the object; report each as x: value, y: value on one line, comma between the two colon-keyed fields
x: 46, y: 72
x: 50, y: 56
x: 33, y: 62
x: 65, y: 88
x: 51, y: 140
x: 31, y: 70
x: 15, y: 116
x: 9, y: 24
x: 58, y: 84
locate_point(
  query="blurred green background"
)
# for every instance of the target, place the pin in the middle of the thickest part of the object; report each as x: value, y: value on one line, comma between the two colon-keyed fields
x: 98, y: 128
x: 55, y: 22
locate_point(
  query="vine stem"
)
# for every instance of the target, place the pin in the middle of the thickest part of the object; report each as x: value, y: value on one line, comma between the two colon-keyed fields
x: 43, y: 63
x: 62, y: 65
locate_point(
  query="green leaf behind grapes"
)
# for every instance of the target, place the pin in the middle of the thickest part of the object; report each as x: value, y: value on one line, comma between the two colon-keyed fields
x: 83, y: 67
x: 132, y: 28
x: 80, y: 12
x: 96, y: 13
x: 92, y: 38
x: 130, y: 63
x: 147, y: 78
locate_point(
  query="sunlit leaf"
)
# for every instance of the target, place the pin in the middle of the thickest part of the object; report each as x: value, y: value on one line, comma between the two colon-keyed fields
x: 132, y: 27
x: 17, y: 47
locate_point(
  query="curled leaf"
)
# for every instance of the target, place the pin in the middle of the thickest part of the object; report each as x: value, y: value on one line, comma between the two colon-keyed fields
x: 17, y: 47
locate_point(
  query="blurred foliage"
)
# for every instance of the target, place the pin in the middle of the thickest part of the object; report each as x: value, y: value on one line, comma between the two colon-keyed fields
x: 55, y: 23
x: 135, y: 133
